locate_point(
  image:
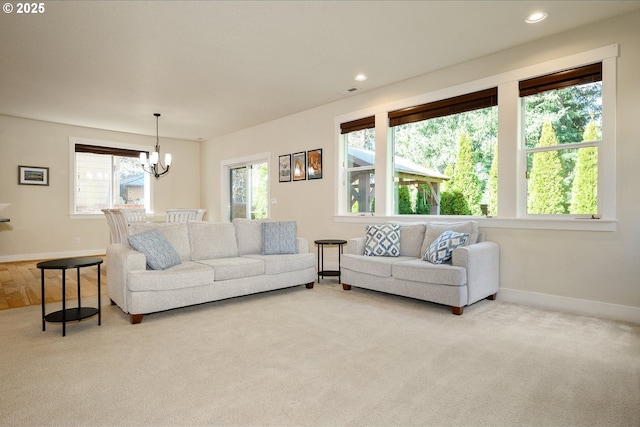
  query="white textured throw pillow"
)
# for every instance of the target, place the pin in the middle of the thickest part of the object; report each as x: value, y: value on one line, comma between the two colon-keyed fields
x: 159, y: 252
x: 382, y: 240
x: 441, y: 249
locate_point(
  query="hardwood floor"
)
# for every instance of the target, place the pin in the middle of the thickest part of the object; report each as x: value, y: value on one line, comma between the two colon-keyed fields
x: 20, y: 283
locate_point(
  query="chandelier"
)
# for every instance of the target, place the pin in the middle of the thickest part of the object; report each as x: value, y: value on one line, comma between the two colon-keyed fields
x: 153, y: 165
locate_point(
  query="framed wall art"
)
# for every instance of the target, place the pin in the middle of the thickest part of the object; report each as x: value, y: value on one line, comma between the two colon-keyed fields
x: 33, y: 175
x: 299, y: 162
x: 314, y: 164
x: 284, y: 168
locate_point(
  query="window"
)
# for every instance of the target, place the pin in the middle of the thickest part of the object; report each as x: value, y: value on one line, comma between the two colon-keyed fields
x: 249, y: 190
x: 107, y: 177
x: 562, y: 134
x: 553, y: 123
x: 360, y: 145
x: 443, y: 156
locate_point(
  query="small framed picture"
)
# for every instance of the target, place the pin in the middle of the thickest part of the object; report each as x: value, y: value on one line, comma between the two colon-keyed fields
x: 33, y: 175
x: 299, y: 166
x: 314, y: 164
x: 284, y: 168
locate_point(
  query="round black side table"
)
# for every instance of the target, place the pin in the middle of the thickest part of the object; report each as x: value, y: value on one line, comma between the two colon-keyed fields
x: 328, y: 242
x: 69, y: 314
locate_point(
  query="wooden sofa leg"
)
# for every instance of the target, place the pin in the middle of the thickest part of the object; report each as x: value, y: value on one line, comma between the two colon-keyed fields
x: 346, y: 287
x: 492, y: 297
x: 457, y: 310
x: 310, y: 285
x: 136, y: 318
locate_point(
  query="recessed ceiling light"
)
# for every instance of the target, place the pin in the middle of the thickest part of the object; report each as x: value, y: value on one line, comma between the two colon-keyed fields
x: 535, y: 17
x: 360, y: 77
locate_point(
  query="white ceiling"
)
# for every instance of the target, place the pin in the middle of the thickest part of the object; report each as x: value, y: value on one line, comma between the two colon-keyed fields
x: 215, y: 67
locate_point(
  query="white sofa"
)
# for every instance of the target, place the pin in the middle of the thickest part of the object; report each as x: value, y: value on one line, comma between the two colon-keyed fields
x: 470, y: 276
x: 216, y: 261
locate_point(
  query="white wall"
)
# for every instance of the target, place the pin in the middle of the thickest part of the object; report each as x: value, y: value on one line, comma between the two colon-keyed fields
x: 41, y: 226
x: 585, y: 271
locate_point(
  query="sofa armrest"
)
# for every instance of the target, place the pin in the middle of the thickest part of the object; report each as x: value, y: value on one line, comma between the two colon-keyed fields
x: 482, y: 262
x: 355, y: 246
x: 120, y: 260
x: 302, y: 245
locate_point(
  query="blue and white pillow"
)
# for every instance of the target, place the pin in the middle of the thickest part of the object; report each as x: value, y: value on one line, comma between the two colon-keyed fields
x: 441, y: 249
x: 382, y: 240
x: 159, y: 252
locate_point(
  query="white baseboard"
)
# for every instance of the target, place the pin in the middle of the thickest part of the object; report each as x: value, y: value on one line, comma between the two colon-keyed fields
x: 624, y: 313
x: 52, y: 255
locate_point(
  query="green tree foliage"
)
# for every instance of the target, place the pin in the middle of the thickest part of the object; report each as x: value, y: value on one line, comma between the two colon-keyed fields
x: 546, y: 193
x: 464, y: 175
x: 404, y: 200
x: 454, y: 203
x: 448, y: 171
x: 585, y: 184
x: 569, y: 110
x: 493, y: 184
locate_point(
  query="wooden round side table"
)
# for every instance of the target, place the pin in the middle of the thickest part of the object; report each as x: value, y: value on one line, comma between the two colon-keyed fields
x: 328, y: 242
x: 69, y: 314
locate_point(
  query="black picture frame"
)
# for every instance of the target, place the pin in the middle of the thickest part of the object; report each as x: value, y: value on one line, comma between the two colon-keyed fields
x: 314, y: 164
x: 284, y: 168
x: 33, y: 175
x: 299, y: 166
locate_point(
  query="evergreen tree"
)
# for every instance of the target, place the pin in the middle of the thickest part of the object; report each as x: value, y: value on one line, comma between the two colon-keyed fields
x: 493, y: 184
x: 584, y: 191
x: 404, y: 200
x: 545, y: 181
x: 448, y: 171
x: 464, y: 175
x: 454, y: 203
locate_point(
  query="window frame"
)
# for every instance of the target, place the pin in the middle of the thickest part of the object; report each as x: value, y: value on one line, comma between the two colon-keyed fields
x: 562, y: 79
x: 512, y: 165
x: 225, y: 180
x: 116, y: 146
x: 345, y: 129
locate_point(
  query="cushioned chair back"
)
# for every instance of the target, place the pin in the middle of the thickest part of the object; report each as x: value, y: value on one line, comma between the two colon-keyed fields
x: 182, y: 215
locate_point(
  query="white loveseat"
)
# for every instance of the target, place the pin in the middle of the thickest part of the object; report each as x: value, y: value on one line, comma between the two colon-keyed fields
x: 216, y: 261
x: 471, y: 275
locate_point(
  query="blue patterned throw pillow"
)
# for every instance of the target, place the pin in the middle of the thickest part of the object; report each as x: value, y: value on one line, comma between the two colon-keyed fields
x: 159, y: 252
x: 441, y: 249
x: 382, y: 240
x: 279, y: 238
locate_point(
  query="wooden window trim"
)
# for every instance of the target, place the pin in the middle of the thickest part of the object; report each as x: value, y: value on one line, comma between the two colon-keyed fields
x: 96, y: 149
x: 356, y: 125
x: 562, y: 79
x: 445, y: 107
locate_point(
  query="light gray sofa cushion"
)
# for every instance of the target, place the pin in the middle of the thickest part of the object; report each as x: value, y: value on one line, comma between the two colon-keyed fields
x: 186, y: 275
x: 419, y: 271
x: 211, y: 240
x: 411, y: 238
x: 249, y: 235
x: 377, y: 266
x: 276, y: 264
x: 176, y: 233
x: 235, y: 268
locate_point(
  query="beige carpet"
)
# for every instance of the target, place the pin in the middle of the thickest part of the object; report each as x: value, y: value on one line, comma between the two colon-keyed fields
x: 321, y: 357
